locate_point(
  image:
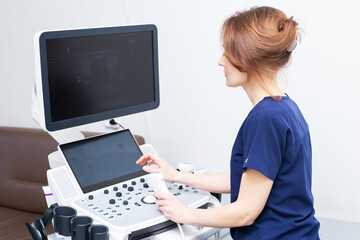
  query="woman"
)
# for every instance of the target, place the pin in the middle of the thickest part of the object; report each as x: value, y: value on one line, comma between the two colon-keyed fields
x: 270, y: 169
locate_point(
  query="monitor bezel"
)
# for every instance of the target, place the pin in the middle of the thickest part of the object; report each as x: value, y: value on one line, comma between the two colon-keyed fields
x: 50, y: 125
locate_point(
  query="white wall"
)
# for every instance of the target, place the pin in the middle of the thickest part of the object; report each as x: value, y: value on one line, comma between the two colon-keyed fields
x: 199, y: 116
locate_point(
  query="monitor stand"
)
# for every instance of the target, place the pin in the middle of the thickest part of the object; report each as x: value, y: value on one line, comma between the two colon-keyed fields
x: 67, y: 135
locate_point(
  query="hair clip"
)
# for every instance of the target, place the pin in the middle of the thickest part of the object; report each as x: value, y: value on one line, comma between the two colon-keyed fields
x: 295, y: 42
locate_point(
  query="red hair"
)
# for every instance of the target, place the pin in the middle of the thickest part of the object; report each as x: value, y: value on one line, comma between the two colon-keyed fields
x: 256, y: 41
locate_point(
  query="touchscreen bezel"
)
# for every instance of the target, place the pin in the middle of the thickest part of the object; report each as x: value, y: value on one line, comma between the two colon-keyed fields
x: 100, y: 185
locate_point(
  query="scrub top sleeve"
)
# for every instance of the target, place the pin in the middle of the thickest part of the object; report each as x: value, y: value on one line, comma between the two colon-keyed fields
x: 264, y: 141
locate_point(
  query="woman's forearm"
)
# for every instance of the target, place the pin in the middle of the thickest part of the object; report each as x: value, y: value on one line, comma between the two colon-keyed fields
x: 231, y: 215
x: 253, y: 194
x: 217, y: 183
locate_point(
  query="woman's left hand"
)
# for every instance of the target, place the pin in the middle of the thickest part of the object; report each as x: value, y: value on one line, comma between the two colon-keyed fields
x: 172, y: 207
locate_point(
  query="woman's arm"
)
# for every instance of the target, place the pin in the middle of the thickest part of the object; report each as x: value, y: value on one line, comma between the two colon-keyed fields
x: 217, y: 183
x: 254, y: 192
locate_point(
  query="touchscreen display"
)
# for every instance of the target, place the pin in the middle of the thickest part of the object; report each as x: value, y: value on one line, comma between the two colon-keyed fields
x: 103, y: 160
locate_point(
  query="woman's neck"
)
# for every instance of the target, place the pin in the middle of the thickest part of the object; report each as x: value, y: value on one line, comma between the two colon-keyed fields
x: 257, y: 93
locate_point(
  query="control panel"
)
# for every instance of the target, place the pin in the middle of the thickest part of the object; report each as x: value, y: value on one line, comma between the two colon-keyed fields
x: 132, y: 203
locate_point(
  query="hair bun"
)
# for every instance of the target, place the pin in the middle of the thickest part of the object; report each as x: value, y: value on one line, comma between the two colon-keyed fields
x: 281, y: 26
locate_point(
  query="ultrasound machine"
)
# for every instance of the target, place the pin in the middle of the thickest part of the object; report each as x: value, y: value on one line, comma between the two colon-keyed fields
x: 85, y: 76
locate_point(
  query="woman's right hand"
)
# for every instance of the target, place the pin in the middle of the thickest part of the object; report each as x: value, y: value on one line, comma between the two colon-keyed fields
x: 162, y: 166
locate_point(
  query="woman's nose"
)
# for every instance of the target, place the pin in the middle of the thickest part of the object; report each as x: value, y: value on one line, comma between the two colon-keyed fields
x: 221, y: 61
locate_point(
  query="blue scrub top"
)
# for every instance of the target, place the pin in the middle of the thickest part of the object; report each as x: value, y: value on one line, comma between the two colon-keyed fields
x: 274, y: 140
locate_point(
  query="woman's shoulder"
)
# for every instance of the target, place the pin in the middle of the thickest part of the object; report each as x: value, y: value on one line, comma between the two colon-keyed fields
x: 269, y: 112
x: 269, y: 108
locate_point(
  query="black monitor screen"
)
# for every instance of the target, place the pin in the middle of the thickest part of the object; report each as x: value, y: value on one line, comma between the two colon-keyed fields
x: 105, y: 160
x: 96, y: 74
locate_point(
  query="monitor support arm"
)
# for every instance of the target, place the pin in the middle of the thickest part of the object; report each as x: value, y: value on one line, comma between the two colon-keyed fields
x: 67, y: 135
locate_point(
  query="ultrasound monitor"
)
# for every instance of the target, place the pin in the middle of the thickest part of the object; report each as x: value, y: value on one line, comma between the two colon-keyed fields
x: 90, y: 75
